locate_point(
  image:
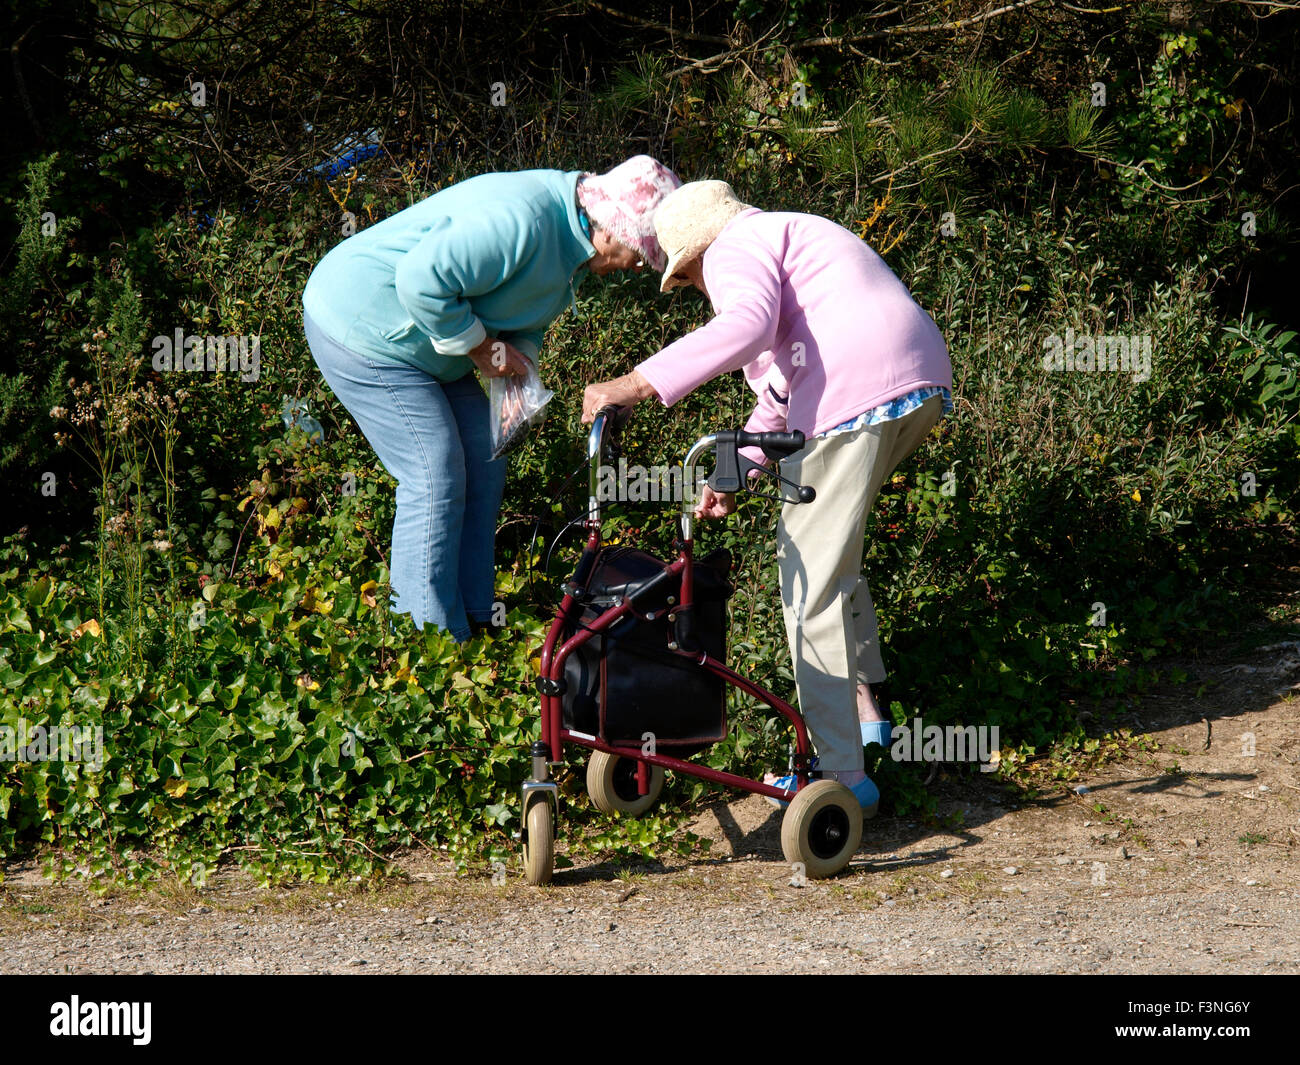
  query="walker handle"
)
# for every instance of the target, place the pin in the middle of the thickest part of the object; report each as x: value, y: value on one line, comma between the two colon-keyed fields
x: 609, y: 419
x: 727, y: 476
x: 774, y: 445
x: 615, y: 417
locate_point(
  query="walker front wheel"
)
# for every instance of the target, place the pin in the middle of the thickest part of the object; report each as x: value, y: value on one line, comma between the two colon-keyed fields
x: 822, y: 828
x: 611, y: 783
x: 539, y: 843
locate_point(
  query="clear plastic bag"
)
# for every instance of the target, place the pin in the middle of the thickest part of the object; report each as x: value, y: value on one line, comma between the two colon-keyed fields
x: 516, y: 403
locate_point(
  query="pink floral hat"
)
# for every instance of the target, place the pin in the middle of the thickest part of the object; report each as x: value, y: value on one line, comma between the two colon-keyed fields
x: 623, y: 203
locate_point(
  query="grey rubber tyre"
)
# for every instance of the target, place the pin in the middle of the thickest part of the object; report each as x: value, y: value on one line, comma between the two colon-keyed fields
x: 611, y: 783
x: 539, y: 843
x: 822, y: 828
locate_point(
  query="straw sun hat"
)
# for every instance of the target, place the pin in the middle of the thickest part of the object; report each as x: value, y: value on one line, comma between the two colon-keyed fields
x: 688, y: 220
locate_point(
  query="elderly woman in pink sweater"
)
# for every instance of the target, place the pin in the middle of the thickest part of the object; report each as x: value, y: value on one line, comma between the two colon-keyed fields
x: 834, y: 345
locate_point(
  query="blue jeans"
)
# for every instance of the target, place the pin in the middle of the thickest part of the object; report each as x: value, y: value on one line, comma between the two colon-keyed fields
x: 434, y: 440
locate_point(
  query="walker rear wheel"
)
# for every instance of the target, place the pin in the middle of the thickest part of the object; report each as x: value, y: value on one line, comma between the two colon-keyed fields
x: 611, y: 783
x: 539, y: 843
x: 822, y: 828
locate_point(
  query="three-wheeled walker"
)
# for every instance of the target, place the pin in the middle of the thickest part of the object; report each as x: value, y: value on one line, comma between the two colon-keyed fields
x: 634, y: 668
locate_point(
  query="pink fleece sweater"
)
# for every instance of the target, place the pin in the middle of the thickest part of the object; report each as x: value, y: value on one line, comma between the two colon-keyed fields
x: 821, y: 326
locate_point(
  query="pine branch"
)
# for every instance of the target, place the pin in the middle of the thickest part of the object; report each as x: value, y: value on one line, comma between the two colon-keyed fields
x: 898, y: 31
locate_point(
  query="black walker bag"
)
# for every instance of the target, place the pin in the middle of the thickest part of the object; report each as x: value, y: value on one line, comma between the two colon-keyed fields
x: 625, y: 682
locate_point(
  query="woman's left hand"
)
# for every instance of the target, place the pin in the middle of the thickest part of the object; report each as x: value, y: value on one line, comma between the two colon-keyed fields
x: 497, y: 358
x: 621, y: 392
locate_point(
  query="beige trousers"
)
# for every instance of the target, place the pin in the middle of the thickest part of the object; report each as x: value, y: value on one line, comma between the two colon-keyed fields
x: 830, y: 620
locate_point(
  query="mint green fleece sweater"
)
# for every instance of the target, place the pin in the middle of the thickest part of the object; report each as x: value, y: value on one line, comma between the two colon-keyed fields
x: 495, y: 255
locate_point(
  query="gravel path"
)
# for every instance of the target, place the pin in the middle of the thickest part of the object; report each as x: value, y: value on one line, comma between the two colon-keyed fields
x: 734, y: 917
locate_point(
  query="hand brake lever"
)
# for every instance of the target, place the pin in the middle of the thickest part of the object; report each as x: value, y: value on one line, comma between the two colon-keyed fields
x: 805, y: 492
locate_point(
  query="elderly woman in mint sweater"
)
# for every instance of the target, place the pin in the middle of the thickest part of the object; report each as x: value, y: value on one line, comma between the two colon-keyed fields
x: 834, y: 345
x: 399, y: 315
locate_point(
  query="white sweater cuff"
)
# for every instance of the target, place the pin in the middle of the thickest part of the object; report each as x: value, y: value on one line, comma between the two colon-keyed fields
x: 463, y: 343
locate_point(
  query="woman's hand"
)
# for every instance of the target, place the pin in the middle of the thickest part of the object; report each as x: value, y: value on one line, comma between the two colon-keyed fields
x: 715, y: 504
x: 621, y: 392
x: 497, y: 358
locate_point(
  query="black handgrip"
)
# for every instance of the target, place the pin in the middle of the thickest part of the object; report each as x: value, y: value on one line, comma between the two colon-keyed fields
x: 774, y: 445
x: 616, y: 417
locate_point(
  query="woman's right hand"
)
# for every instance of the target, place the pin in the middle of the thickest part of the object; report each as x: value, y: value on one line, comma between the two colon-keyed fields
x: 715, y: 504
x: 497, y: 358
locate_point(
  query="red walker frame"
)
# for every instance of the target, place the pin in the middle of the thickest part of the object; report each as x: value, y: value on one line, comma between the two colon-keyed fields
x: 549, y: 750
